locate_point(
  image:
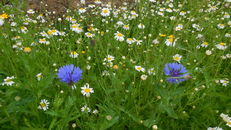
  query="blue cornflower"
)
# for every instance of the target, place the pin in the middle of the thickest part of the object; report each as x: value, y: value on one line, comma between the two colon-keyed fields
x: 69, y: 74
x: 177, y: 72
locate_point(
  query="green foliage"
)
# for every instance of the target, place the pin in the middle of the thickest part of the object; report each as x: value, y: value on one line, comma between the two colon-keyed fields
x: 123, y: 99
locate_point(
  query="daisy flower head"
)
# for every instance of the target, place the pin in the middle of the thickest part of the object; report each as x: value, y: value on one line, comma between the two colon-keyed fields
x: 177, y: 72
x: 170, y: 41
x: 105, y: 12
x: 179, y: 27
x: 221, y: 46
x: 95, y: 111
x: 44, y: 41
x: 86, y: 90
x: 39, y: 76
x: 24, y: 29
x: 109, y: 58
x: 74, y: 54
x: 224, y: 82
x: 208, y: 52
x: 177, y: 57
x: 43, y: 105
x: 143, y: 77
x: 30, y: 11
x: 97, y: 2
x: 130, y: 40
x: 226, y: 118
x: 89, y: 35
x: 8, y: 81
x: 139, y: 68
x: 155, y: 41
x: 141, y: 26
x: 221, y: 26
x: 205, y: 44
x: 214, y: 128
x: 119, y: 36
x: 82, y: 10
x: 153, y: 1
x: 151, y: 71
x: 126, y: 27
x: 69, y: 74
x: 85, y: 108
x: 53, y: 32
x: 76, y: 28
x: 27, y: 49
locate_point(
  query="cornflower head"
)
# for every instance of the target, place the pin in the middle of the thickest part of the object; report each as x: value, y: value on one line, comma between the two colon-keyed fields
x: 177, y: 72
x: 69, y: 74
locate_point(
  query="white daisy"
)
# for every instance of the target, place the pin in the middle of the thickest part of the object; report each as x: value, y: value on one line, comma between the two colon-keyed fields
x: 105, y: 12
x: 208, y: 52
x: 82, y: 10
x: 141, y: 26
x: 139, y: 68
x: 224, y: 82
x: 214, y: 128
x: 8, y: 81
x: 95, y: 111
x: 130, y: 40
x: 179, y: 27
x: 221, y: 26
x: 43, y: 105
x: 170, y: 42
x: 205, y: 44
x: 30, y: 11
x: 76, y: 28
x: 44, y: 41
x: 177, y: 57
x: 221, y: 46
x: 119, y: 36
x: 86, y: 90
x: 74, y: 54
x: 39, y: 76
x: 126, y: 27
x: 109, y: 58
x: 151, y: 71
x: 143, y: 77
x: 85, y: 108
x: 90, y: 35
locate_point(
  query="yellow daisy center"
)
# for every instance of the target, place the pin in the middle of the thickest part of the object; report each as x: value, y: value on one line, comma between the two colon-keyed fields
x: 87, y: 90
x: 176, y: 58
x: 105, y: 11
x: 162, y: 35
x: 171, y: 40
x: 27, y: 49
x: 120, y: 34
x: 42, y: 40
x: 42, y: 104
x: 51, y: 32
x: 8, y: 80
x: 73, y: 52
x: 222, y: 44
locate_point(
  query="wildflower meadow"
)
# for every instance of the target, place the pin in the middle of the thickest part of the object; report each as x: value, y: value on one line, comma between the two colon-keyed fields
x: 156, y: 65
